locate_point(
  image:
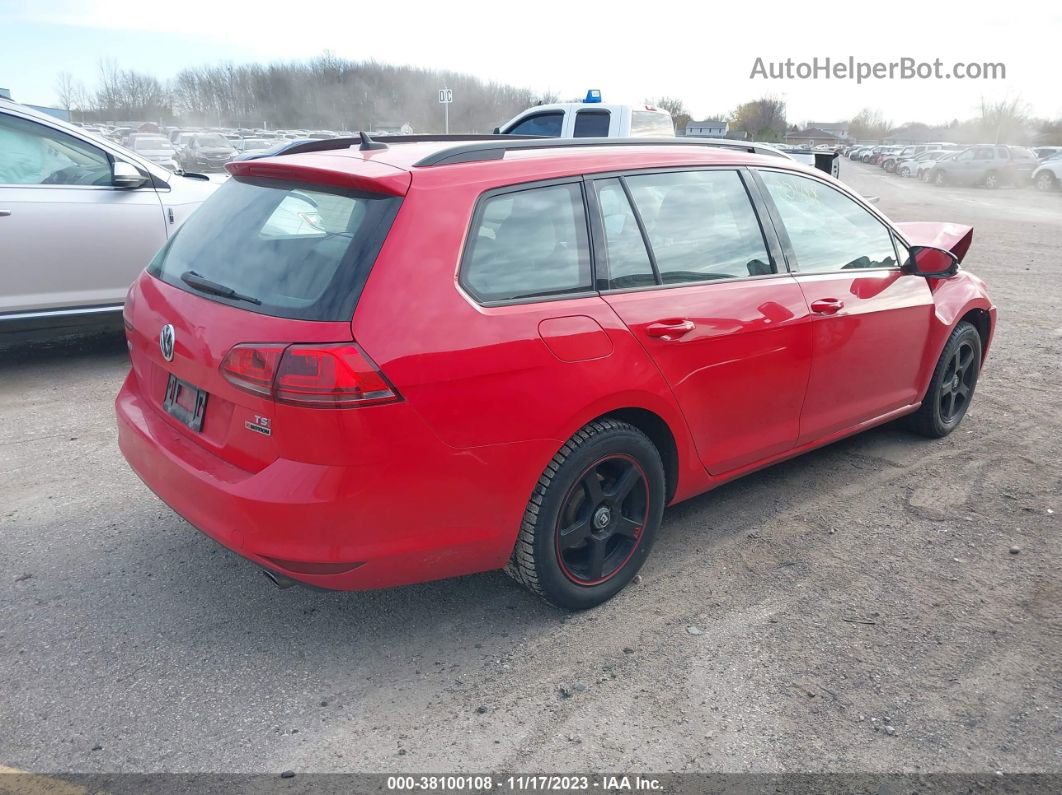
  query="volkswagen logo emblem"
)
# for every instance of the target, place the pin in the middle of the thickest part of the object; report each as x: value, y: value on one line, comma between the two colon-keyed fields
x: 602, y: 517
x: 166, y: 342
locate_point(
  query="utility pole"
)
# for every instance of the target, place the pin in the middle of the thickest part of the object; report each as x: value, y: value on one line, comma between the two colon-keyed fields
x: 446, y: 96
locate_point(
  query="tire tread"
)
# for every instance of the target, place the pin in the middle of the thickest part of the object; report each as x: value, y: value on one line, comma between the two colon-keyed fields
x: 521, y: 566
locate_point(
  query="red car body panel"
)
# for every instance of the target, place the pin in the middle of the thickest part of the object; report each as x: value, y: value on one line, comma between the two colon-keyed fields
x: 740, y: 374
x: 435, y: 485
x: 883, y: 318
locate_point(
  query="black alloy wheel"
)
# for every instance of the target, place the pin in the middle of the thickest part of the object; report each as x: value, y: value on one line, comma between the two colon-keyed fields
x: 592, y: 517
x: 602, y: 519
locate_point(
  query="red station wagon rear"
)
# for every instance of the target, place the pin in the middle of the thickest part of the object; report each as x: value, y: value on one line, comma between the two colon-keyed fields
x: 367, y: 365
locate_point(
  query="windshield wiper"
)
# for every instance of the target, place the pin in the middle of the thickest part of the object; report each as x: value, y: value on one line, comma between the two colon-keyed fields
x: 207, y: 286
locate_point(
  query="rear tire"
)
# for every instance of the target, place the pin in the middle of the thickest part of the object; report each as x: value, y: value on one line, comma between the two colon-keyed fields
x: 991, y: 180
x: 1045, y: 182
x: 940, y: 179
x: 952, y: 387
x: 592, y: 517
x: 905, y: 172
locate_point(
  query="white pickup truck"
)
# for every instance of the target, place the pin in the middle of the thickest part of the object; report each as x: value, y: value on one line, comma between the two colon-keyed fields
x: 591, y: 119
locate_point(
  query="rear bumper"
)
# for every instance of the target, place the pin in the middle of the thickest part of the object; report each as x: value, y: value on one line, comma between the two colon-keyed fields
x: 443, y: 513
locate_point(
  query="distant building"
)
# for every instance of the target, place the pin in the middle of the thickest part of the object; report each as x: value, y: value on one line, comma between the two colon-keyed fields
x: 709, y: 128
x: 394, y: 128
x: 838, y: 129
x: 812, y: 136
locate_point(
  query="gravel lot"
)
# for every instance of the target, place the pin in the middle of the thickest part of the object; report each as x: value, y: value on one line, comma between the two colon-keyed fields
x: 864, y: 586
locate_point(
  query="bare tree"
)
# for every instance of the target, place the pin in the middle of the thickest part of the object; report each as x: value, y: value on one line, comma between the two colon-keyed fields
x: 869, y: 124
x: 126, y: 95
x: 329, y: 92
x: 1049, y: 133
x: 1003, y: 121
x: 761, y: 120
x: 70, y: 92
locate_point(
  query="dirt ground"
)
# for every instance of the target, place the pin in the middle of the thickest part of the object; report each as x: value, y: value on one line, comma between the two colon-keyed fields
x: 859, y: 608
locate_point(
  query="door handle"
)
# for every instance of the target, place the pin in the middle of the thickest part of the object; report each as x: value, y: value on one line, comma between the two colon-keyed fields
x: 669, y: 329
x: 4, y: 213
x: 827, y: 306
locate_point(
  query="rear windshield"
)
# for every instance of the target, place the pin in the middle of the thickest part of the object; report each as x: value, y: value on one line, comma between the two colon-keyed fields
x: 282, y: 249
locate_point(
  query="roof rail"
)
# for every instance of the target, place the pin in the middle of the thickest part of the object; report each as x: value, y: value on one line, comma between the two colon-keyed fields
x: 471, y: 148
x: 494, y: 147
x: 325, y: 144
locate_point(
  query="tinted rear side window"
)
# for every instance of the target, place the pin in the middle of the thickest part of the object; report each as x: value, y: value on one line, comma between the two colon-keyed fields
x: 301, y: 251
x: 527, y: 244
x: 592, y: 123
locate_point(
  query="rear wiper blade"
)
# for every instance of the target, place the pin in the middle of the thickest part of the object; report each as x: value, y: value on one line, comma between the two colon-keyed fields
x: 207, y: 286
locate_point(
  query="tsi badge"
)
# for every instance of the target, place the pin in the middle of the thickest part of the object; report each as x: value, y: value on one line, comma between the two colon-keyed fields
x: 262, y: 425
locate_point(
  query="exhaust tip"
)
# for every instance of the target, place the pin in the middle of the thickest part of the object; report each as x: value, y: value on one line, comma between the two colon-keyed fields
x: 278, y: 580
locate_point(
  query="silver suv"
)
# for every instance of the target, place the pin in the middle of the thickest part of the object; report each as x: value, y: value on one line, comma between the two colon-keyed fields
x: 80, y: 217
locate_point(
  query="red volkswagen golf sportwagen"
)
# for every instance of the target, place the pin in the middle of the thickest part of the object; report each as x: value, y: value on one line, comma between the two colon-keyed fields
x: 362, y: 366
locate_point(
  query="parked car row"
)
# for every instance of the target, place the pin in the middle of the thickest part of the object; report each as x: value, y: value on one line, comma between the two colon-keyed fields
x: 200, y: 149
x: 984, y: 165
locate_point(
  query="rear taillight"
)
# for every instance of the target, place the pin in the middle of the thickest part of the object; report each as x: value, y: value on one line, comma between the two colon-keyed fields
x: 253, y: 367
x: 321, y: 376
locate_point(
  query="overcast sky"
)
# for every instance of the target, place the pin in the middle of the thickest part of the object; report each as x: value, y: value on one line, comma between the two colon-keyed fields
x: 701, y: 52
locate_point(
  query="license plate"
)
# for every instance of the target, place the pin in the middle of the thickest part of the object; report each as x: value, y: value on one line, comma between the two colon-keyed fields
x: 185, y: 402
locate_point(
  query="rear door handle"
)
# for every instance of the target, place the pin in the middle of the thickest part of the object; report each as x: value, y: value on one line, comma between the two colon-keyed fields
x: 827, y: 306
x: 669, y: 329
x: 4, y: 213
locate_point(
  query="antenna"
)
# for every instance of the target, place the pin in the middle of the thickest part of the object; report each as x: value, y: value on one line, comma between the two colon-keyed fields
x: 368, y: 143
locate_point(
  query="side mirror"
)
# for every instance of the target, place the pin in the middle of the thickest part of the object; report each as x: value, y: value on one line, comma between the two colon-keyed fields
x: 497, y: 130
x: 933, y: 263
x: 126, y: 176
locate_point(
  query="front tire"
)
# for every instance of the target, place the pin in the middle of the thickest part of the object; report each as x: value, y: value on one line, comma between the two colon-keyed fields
x: 592, y: 517
x: 940, y: 179
x: 992, y: 180
x: 952, y: 387
x: 905, y: 172
x: 1045, y: 181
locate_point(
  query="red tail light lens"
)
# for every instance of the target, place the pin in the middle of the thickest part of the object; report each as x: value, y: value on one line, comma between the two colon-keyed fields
x: 252, y: 367
x: 321, y: 376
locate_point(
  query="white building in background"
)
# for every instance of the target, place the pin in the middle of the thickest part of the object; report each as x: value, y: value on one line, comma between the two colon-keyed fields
x: 709, y: 128
x: 838, y: 129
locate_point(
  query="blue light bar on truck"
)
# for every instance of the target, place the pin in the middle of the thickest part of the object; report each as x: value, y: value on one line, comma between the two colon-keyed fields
x: 593, y: 95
